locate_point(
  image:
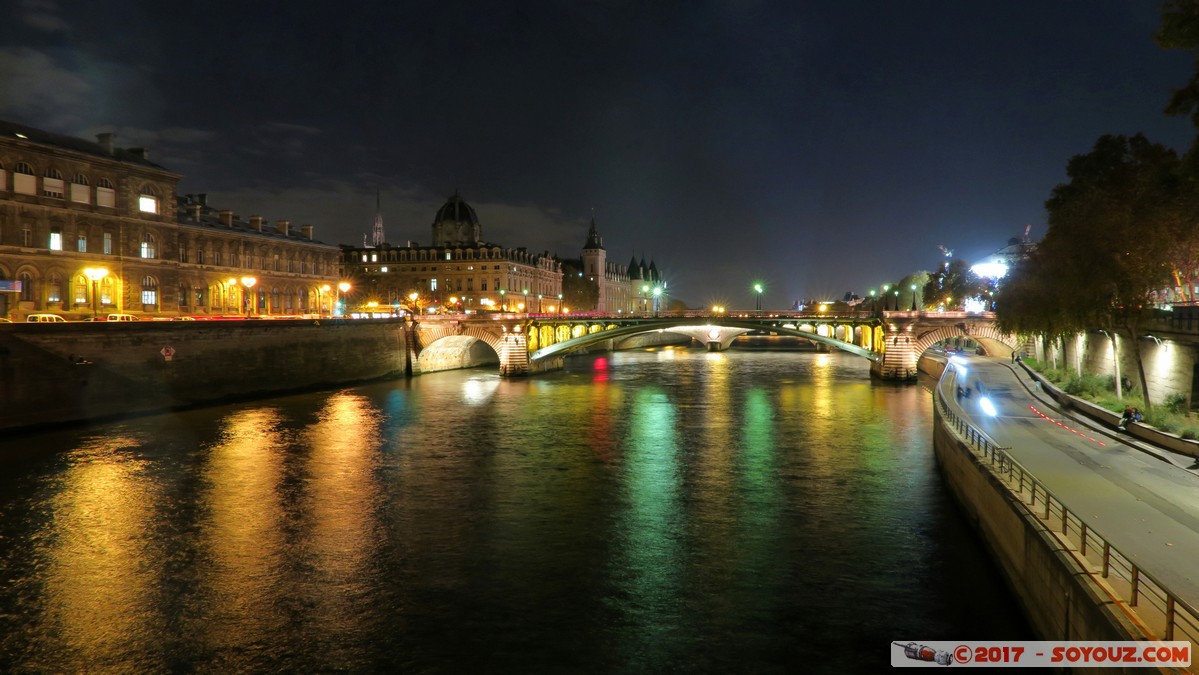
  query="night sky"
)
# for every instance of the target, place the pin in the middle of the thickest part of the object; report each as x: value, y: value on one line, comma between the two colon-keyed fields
x: 821, y: 147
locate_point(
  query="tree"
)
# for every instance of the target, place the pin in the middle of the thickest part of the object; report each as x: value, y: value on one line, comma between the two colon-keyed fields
x: 1105, y: 253
x: 952, y: 284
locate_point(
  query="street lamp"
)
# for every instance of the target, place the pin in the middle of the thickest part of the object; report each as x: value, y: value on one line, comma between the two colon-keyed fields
x: 758, y: 289
x: 95, y: 274
x: 248, y: 282
x: 538, y: 303
x: 413, y: 297
x: 526, y: 303
x: 644, y: 296
x: 913, y: 297
x: 896, y: 294
x: 342, y: 289
x: 657, y: 300
x: 873, y: 302
x: 559, y: 304
x: 503, y: 301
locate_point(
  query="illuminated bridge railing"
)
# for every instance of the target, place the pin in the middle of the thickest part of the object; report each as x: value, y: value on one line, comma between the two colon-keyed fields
x: 1159, y: 609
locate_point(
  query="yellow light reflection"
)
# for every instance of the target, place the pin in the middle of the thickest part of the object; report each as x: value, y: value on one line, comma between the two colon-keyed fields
x: 98, y: 592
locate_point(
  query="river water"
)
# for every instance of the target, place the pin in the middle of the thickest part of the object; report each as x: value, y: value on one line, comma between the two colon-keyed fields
x: 638, y: 512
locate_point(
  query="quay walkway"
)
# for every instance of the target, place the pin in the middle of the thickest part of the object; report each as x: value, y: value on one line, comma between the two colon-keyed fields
x: 1135, y: 505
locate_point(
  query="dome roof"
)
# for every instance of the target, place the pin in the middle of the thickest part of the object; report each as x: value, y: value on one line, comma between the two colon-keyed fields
x: 457, y: 211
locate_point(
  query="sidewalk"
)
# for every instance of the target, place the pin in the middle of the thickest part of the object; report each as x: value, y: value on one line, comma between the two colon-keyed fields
x: 1031, y: 385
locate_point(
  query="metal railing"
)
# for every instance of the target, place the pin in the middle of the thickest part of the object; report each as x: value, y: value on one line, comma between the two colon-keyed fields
x: 1158, y: 608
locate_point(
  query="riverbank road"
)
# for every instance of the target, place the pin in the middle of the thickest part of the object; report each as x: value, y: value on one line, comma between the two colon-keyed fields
x: 1143, y: 499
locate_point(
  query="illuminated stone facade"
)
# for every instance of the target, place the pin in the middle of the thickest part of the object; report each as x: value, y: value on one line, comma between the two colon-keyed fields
x: 69, y: 206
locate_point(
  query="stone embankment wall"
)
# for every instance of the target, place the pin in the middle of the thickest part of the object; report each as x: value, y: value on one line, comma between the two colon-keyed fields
x: 51, y: 374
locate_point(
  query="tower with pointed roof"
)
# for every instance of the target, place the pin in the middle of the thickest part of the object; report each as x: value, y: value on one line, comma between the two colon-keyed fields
x: 595, y: 264
x: 378, y: 233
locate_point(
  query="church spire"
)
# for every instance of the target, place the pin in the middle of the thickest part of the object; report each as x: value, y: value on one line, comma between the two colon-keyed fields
x: 378, y: 234
x: 594, y: 241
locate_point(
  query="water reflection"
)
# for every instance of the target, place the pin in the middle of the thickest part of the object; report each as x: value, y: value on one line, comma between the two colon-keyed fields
x: 97, y: 585
x: 636, y: 512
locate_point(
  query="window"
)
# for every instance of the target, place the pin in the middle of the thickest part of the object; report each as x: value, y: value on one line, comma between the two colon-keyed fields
x: 199, y: 295
x: 147, y: 201
x: 23, y: 180
x: 149, y: 292
x: 81, y: 243
x: 52, y: 185
x: 106, y: 286
x: 79, y: 189
x: 79, y: 290
x: 105, y: 195
x: 276, y: 262
x: 216, y: 257
x: 147, y: 249
x: 184, y: 295
x: 483, y: 285
x: 182, y: 254
x: 26, y: 286
x: 432, y: 284
x: 108, y: 243
x: 53, y: 288
x: 55, y: 239
x: 27, y: 236
x: 200, y: 257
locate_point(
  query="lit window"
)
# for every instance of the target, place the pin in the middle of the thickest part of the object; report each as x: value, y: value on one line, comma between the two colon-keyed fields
x: 81, y: 243
x: 149, y: 291
x: 107, y: 243
x: 147, y: 248
x: 383, y: 269
x: 147, y: 204
x: 55, y: 239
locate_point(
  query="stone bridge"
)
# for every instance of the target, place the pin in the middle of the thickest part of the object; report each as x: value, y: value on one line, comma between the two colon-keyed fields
x: 523, y: 344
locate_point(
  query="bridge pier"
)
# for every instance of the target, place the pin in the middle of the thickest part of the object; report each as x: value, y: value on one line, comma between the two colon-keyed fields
x: 514, y: 354
x: 900, y: 355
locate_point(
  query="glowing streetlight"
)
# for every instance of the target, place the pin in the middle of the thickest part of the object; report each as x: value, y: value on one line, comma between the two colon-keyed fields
x: 886, y: 287
x: 758, y: 288
x: 644, y: 296
x: 873, y: 301
x: 248, y: 282
x: 657, y: 299
x: 559, y: 304
x: 503, y: 301
x: 95, y: 274
x: 342, y: 289
x: 526, y: 302
x: 413, y: 297
x: 913, y: 297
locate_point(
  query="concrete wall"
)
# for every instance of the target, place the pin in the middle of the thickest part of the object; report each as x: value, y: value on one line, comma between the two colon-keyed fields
x: 1059, y: 599
x: 42, y: 383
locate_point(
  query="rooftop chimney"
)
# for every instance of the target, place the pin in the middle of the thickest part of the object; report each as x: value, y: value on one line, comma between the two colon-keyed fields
x: 226, y: 217
x: 202, y: 198
x: 282, y: 226
x: 256, y: 222
x: 140, y: 153
x: 306, y: 231
x: 105, y: 141
x: 193, y: 210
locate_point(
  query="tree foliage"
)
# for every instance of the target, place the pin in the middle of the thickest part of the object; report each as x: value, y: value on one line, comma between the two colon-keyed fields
x: 952, y: 284
x: 1106, y: 253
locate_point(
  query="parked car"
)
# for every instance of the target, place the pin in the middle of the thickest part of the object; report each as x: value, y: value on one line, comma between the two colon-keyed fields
x: 122, y: 317
x: 4, y: 320
x: 45, y: 318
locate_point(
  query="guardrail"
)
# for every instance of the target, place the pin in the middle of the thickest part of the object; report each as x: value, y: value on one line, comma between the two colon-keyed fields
x: 1158, y: 608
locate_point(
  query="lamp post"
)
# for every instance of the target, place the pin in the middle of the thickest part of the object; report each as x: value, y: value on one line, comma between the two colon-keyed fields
x: 414, y: 298
x: 526, y: 303
x: 95, y: 274
x: 886, y: 287
x: 342, y: 289
x: 896, y: 294
x: 657, y: 299
x: 873, y: 303
x: 559, y: 304
x: 758, y: 289
x: 538, y: 303
x: 503, y: 301
x: 913, y: 297
x: 644, y: 296
x: 248, y: 282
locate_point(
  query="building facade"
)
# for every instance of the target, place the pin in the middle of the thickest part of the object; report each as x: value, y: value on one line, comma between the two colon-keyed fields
x: 459, y: 272
x: 87, y: 228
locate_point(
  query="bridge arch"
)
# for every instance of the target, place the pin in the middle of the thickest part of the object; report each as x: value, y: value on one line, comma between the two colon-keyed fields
x: 985, y: 334
x: 614, y: 331
x: 450, y: 347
